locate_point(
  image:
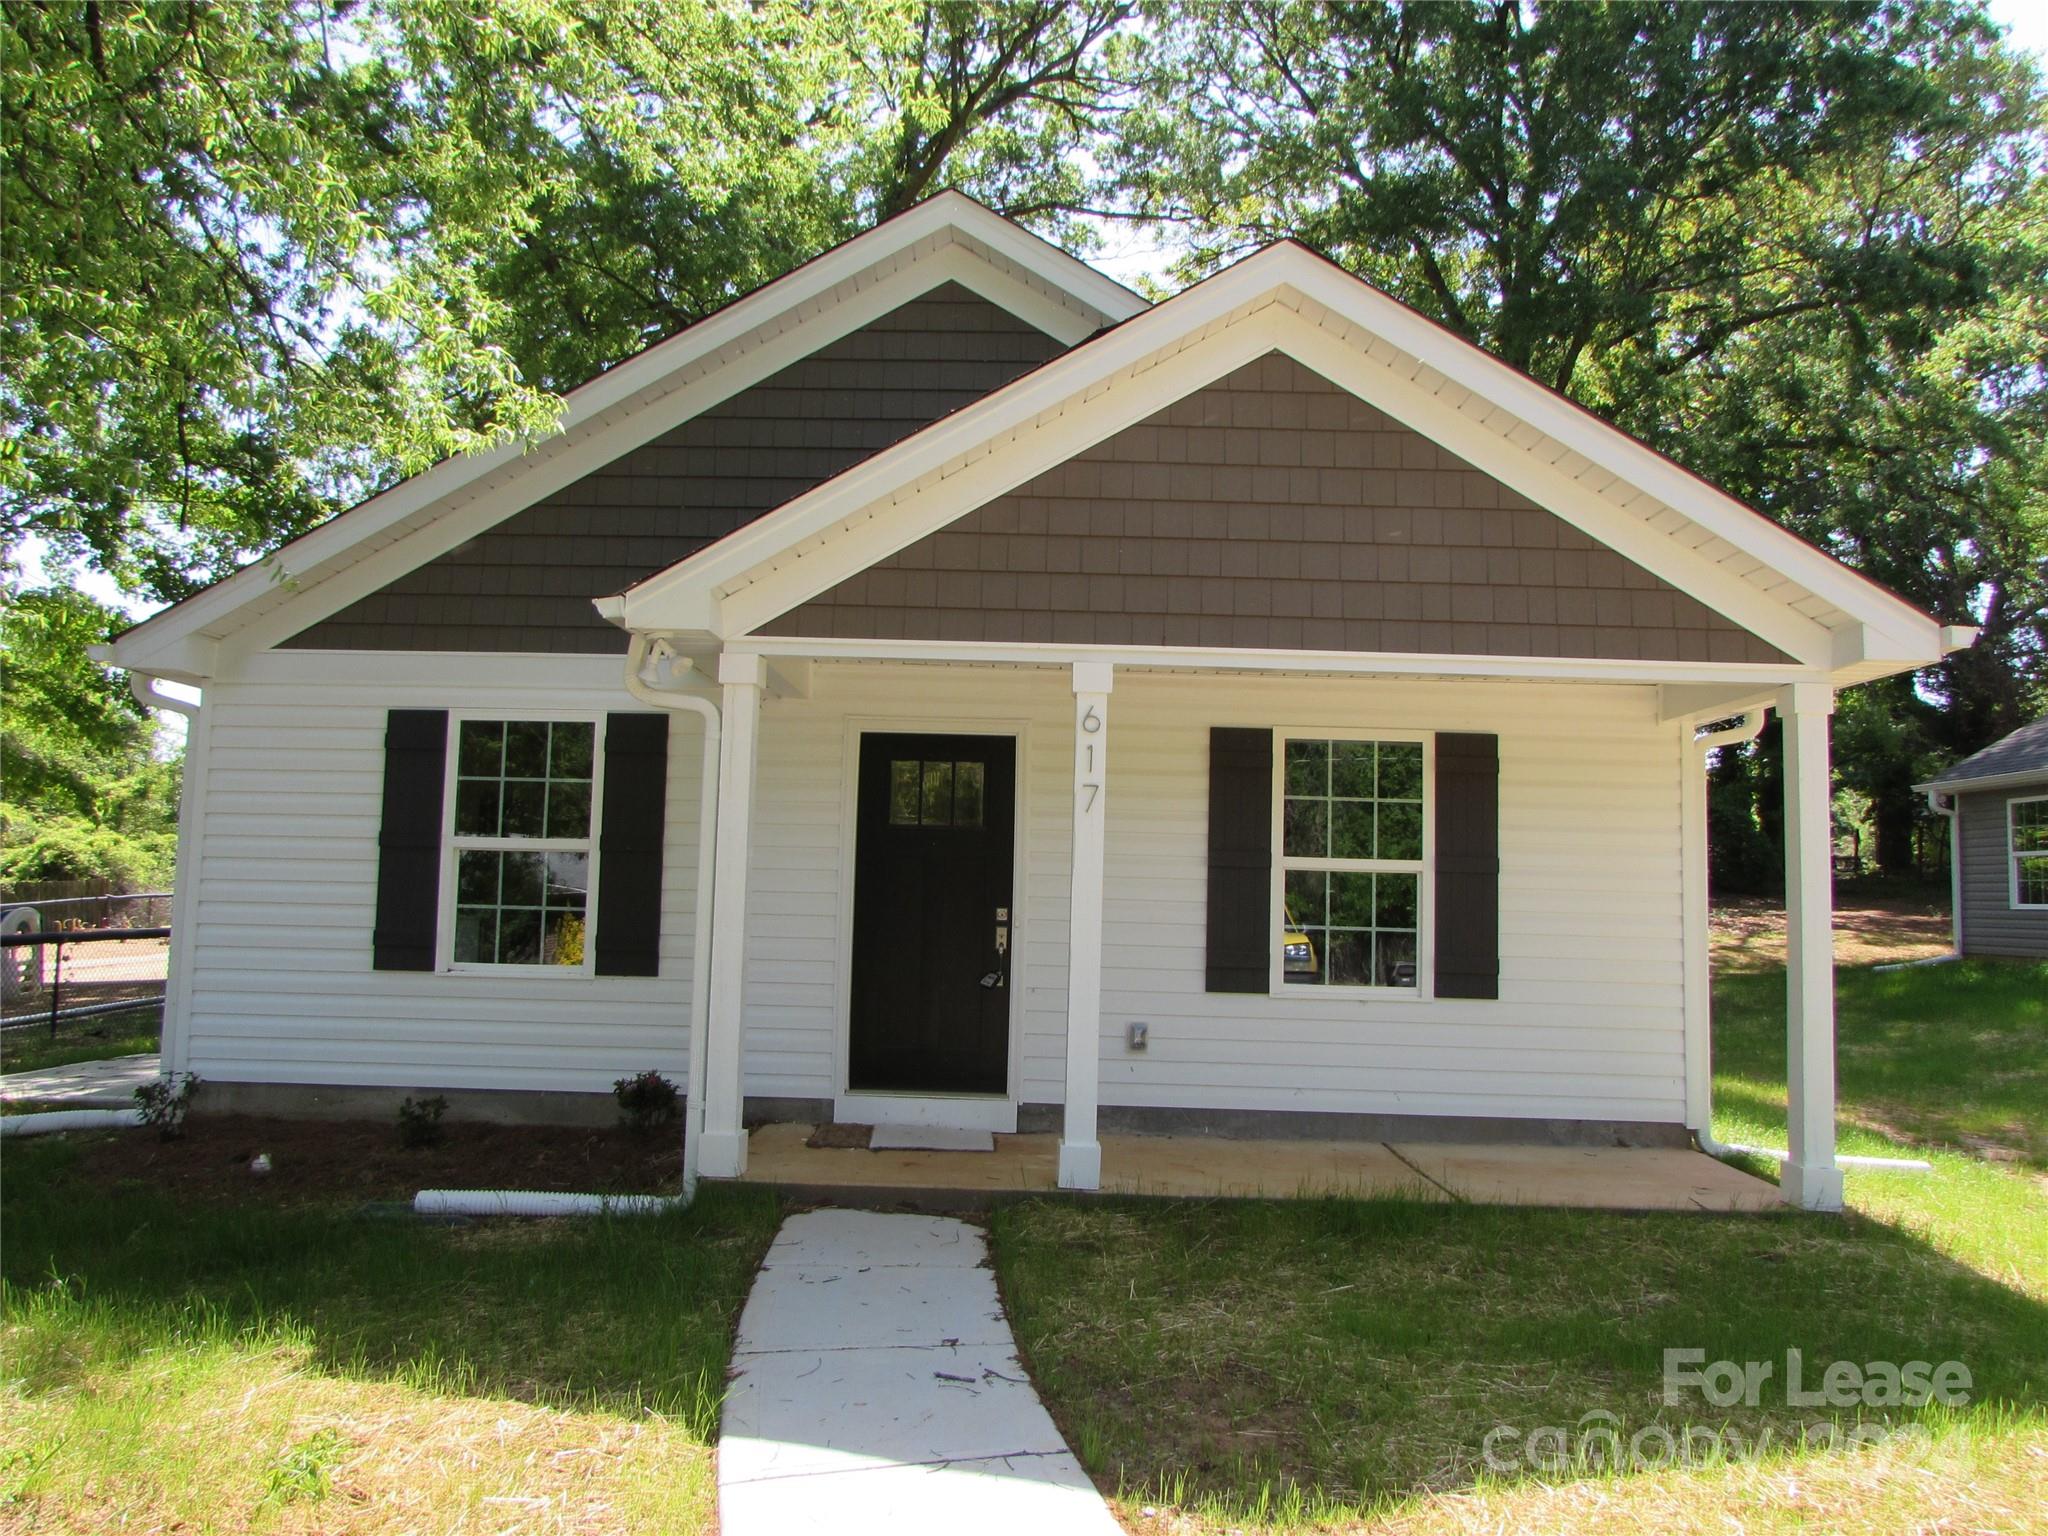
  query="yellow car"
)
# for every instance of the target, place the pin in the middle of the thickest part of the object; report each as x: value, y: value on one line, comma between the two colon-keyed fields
x: 1297, y: 954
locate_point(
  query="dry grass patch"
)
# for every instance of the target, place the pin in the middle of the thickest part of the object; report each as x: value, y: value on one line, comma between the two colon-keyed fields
x: 181, y: 1363
x: 227, y: 1438
x: 1747, y: 933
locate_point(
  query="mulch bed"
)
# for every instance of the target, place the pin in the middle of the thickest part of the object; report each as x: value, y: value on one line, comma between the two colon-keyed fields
x: 330, y: 1161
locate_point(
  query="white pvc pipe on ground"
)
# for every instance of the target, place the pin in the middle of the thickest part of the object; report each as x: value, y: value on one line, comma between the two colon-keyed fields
x: 49, y: 1121
x: 538, y: 1202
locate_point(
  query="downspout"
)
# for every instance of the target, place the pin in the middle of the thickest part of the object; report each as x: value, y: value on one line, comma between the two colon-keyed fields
x: 1747, y: 728
x: 174, y: 1048
x: 527, y: 1202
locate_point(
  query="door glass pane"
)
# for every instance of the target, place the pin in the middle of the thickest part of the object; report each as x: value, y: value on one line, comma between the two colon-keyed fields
x: 904, y: 789
x: 967, y: 794
x: 938, y: 794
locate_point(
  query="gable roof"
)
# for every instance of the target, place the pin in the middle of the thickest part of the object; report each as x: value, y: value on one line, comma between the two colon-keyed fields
x: 1287, y: 298
x: 2021, y: 758
x: 947, y: 238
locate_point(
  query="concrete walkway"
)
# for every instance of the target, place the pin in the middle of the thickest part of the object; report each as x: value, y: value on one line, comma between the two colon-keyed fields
x: 876, y: 1387
x: 109, y: 1084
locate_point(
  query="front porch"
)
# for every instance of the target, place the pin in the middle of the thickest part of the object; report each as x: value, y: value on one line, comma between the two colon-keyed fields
x: 1210, y: 1167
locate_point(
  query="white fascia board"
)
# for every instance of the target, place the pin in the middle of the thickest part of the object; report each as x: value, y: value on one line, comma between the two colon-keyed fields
x: 962, y: 234
x: 1762, y: 678
x: 1713, y: 701
x: 2017, y: 779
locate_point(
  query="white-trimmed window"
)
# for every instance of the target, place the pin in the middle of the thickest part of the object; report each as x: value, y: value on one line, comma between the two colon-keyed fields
x: 522, y: 810
x: 1352, y: 833
x: 2026, y: 829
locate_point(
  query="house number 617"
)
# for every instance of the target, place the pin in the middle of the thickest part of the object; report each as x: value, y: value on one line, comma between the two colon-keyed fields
x: 1091, y: 723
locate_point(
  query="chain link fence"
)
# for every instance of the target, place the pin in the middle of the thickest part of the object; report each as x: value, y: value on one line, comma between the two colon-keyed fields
x: 79, y: 967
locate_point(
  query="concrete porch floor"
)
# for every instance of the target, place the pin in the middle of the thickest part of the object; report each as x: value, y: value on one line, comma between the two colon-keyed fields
x: 1595, y: 1178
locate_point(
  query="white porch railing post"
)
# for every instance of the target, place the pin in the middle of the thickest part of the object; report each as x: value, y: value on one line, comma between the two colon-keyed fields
x: 1810, y: 1177
x: 1080, y: 1151
x: 722, y: 1152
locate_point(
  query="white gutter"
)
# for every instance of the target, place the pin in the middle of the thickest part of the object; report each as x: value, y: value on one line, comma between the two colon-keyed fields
x: 1747, y: 728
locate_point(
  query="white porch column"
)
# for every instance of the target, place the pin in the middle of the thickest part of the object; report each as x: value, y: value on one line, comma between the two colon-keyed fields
x: 1080, y: 1152
x: 722, y: 1154
x: 1810, y: 1177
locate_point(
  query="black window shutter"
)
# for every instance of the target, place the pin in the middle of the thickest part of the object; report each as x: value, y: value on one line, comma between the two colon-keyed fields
x: 1240, y: 859
x: 1467, y: 865
x: 409, y: 840
x: 629, y: 845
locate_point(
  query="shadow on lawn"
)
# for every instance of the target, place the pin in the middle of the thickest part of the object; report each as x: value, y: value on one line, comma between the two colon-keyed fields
x: 1338, y: 1353
x: 624, y: 1315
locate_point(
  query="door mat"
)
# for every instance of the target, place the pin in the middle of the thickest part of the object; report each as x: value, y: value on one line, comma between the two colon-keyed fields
x: 930, y: 1138
x: 841, y: 1137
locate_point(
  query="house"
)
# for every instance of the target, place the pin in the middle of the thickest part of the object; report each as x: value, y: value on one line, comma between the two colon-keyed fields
x: 1997, y: 805
x: 942, y: 688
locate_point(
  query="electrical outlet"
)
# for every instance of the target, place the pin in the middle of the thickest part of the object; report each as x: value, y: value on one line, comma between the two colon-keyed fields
x: 1134, y: 1034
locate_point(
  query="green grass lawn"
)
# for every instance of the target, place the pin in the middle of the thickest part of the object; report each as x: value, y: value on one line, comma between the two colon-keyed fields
x: 214, y: 1367
x: 1245, y: 1366
x: 30, y: 1050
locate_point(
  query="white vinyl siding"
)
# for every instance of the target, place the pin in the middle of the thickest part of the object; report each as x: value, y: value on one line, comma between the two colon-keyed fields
x: 1991, y: 923
x: 1588, y: 1024
x: 283, y: 990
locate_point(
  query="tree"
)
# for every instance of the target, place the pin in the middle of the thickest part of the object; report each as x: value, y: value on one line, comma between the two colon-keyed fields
x: 263, y: 256
x: 88, y: 791
x: 1800, y: 248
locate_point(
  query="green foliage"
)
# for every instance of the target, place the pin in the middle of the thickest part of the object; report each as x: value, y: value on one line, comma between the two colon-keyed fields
x: 88, y: 796
x: 419, y: 1121
x: 1802, y: 249
x: 305, y: 248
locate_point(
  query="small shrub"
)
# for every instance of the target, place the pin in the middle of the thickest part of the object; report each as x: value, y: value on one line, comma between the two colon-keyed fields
x: 646, y: 1101
x: 164, y: 1102
x: 303, y: 1473
x: 419, y: 1121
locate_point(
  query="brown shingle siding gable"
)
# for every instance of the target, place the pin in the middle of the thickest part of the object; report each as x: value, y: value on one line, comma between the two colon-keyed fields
x: 527, y: 584
x: 1273, y: 510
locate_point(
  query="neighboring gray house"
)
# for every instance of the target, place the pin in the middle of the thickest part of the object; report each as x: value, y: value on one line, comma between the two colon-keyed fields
x: 1998, y: 804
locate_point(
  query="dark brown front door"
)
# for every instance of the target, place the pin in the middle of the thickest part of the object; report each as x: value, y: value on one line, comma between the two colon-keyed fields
x: 932, y: 914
